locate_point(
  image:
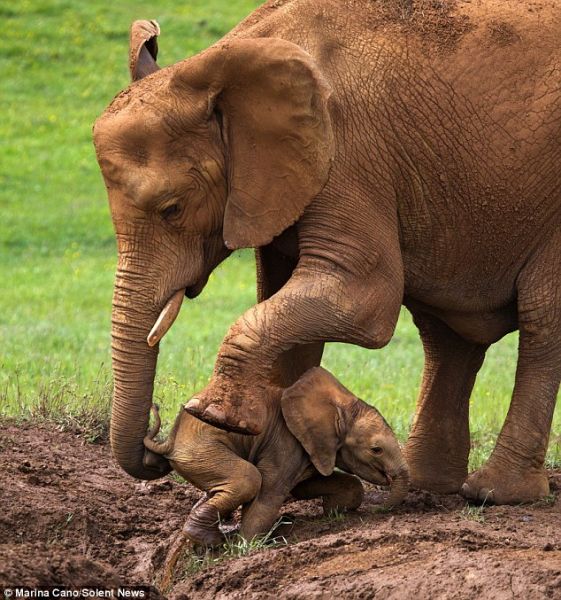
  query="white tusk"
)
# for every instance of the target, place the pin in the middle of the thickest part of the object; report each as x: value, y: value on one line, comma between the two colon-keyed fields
x: 166, y: 318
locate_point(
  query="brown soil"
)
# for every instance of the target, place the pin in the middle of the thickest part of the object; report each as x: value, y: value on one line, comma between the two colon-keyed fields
x: 70, y: 516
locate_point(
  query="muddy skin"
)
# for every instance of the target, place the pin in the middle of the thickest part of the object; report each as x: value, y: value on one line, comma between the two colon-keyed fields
x: 120, y: 530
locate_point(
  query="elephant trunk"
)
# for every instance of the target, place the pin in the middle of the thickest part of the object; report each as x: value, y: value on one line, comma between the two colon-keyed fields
x: 399, y: 486
x: 134, y: 369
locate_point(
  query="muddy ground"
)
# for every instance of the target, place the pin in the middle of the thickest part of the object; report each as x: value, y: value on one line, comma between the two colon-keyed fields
x: 70, y: 516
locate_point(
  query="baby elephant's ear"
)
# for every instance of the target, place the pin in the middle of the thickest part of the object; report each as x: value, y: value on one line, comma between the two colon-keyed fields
x: 315, y: 412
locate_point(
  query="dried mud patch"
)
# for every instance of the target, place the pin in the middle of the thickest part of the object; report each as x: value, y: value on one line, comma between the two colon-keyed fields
x: 502, y: 33
x: 71, y: 517
x: 437, y: 23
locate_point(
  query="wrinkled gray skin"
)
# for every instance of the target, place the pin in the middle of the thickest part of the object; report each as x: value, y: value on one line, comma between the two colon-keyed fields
x: 371, y: 161
x: 316, y: 426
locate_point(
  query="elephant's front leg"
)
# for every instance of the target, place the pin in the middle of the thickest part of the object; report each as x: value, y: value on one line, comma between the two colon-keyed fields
x: 316, y: 305
x: 437, y: 450
x: 259, y: 517
x: 274, y: 269
x: 339, y: 491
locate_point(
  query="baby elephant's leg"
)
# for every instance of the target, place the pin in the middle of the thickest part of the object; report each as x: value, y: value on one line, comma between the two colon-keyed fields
x: 259, y: 517
x: 339, y: 491
x: 229, y: 482
x: 261, y: 514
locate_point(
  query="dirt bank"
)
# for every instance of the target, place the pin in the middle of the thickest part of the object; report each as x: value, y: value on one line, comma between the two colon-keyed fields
x: 70, y: 516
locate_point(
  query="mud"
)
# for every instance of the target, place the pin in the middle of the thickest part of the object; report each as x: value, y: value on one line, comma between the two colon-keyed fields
x: 70, y: 516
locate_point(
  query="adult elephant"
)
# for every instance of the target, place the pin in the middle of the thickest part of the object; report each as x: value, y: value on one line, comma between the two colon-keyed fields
x: 375, y: 153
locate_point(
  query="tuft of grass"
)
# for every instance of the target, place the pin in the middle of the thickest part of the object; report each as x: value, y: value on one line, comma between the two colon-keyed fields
x: 471, y: 512
x: 335, y: 515
x: 176, y: 477
x: 235, y: 546
x: 548, y: 500
x: 553, y: 458
x: 195, y: 562
x: 381, y: 509
x: 482, y: 444
x: 57, y: 530
x: 60, y: 401
x: 475, y: 512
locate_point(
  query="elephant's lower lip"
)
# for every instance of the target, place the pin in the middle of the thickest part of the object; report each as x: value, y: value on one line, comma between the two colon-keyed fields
x: 383, y: 478
x: 192, y: 292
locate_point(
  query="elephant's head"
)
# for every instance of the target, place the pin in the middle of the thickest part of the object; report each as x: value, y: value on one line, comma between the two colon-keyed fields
x: 337, y: 429
x: 221, y: 151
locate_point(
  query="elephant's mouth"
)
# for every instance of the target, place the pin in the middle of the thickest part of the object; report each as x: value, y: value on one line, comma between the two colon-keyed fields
x: 193, y: 291
x: 381, y: 477
x: 171, y: 310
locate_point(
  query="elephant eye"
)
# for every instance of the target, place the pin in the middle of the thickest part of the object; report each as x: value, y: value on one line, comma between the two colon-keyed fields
x: 377, y: 450
x: 171, y: 211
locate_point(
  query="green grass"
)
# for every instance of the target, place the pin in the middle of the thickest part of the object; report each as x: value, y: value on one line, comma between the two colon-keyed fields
x: 472, y: 512
x: 234, y: 546
x: 62, y: 62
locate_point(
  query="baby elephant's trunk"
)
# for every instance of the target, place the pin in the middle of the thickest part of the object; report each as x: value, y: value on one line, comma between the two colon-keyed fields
x: 162, y: 448
x: 399, y: 487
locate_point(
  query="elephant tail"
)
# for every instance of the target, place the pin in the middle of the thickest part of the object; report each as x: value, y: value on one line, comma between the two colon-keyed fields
x: 161, y: 448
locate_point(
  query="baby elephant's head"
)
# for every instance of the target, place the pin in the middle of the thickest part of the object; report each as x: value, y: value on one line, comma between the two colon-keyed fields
x: 337, y: 429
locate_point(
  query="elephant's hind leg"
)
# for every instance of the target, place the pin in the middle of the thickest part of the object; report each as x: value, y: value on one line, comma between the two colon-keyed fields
x: 339, y: 491
x: 515, y: 471
x: 437, y: 450
x: 229, y: 481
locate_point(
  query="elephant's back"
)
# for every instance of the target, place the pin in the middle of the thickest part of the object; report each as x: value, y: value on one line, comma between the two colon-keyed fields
x: 440, y: 27
x: 503, y: 58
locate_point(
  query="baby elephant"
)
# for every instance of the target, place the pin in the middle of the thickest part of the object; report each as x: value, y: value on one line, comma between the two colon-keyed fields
x: 317, y: 425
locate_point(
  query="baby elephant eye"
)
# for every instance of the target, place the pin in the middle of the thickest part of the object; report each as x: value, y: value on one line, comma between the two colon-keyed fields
x: 377, y: 450
x: 171, y: 211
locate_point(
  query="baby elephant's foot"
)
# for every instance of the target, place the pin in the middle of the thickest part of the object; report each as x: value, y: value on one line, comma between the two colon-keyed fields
x: 202, y: 526
x: 489, y: 485
x: 229, y: 408
x: 339, y: 491
x: 348, y: 497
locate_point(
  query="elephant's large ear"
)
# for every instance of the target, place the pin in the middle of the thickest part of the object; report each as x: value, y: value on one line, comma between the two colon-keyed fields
x: 272, y: 99
x: 143, y: 48
x: 317, y: 410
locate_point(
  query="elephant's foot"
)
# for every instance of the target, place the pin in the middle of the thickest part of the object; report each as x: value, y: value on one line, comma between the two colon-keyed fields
x: 346, y: 498
x: 499, y: 486
x: 229, y: 408
x: 202, y: 526
x: 432, y: 469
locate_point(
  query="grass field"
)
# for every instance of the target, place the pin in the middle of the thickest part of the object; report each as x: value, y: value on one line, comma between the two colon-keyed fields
x: 62, y: 62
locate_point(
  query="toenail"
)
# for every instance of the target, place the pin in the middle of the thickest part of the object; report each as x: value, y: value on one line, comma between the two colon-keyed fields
x: 215, y: 413
x: 193, y: 404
